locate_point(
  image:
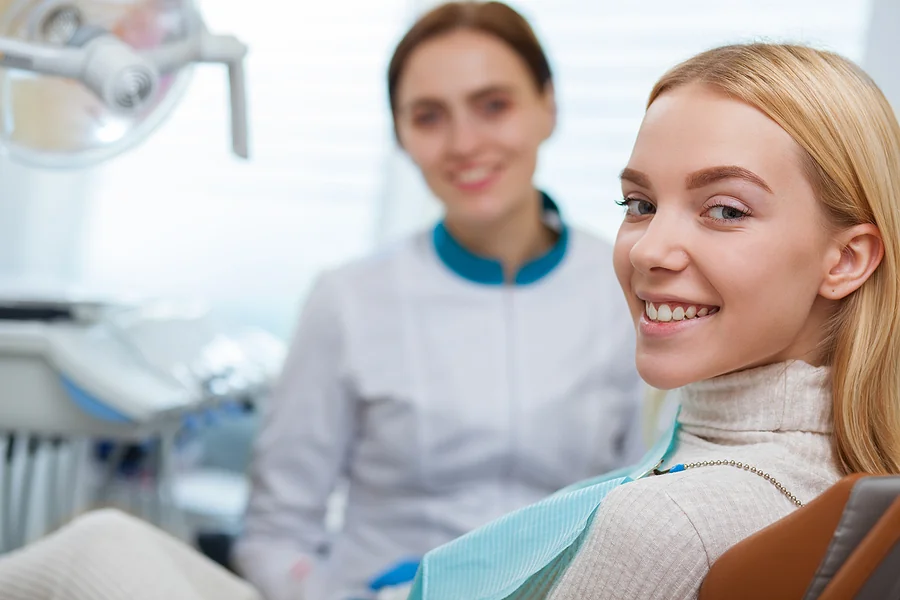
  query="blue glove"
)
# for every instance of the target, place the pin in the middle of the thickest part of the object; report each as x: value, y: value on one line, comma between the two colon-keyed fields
x: 398, y: 574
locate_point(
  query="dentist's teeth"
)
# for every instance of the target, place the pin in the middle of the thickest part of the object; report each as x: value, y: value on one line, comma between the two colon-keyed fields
x: 473, y: 175
x: 702, y: 312
x: 651, y: 311
x: 691, y: 312
x: 664, y: 313
x: 678, y: 314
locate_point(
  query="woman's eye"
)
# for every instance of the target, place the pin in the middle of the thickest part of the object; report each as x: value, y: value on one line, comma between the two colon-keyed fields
x: 637, y: 207
x: 495, y: 106
x: 726, y: 213
x: 425, y: 119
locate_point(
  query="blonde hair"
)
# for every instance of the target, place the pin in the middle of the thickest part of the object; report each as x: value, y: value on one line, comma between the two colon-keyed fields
x: 851, y: 143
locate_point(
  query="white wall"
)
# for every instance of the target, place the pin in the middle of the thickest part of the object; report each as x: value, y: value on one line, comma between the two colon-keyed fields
x: 882, y: 51
x: 42, y: 225
x: 180, y: 216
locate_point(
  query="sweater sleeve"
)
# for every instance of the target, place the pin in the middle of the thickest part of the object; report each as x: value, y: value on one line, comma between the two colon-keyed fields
x: 108, y: 555
x: 641, y: 546
x: 300, y: 453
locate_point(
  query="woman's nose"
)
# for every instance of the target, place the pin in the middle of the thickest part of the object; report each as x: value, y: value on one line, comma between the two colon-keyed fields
x: 661, y: 247
x: 464, y: 137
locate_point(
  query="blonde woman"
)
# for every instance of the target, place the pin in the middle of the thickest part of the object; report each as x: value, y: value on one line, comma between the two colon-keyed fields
x: 758, y: 254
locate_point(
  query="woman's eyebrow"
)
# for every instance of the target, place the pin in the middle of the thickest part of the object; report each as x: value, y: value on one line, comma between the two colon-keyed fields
x: 701, y: 178
x: 704, y: 177
x: 635, y: 177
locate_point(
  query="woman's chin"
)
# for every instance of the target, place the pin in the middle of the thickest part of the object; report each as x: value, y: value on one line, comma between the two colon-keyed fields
x: 477, y: 214
x: 666, y: 374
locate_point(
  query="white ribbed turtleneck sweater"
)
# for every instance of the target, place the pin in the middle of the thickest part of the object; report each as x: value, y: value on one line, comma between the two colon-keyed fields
x: 657, y: 537
x: 108, y: 555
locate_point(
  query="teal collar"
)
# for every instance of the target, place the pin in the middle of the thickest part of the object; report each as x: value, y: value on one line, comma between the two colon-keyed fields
x: 488, y: 271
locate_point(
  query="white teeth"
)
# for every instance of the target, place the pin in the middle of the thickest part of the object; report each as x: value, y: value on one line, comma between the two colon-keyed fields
x: 665, y: 313
x: 473, y: 175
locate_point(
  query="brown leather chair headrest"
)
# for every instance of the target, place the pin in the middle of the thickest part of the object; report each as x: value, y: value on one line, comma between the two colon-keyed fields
x: 779, y: 561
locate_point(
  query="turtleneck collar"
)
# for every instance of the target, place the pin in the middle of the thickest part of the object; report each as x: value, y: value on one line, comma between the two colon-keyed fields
x: 788, y: 396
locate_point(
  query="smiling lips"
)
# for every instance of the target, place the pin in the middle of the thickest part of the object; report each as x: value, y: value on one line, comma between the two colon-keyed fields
x: 473, y: 175
x: 677, y: 311
x: 474, y: 178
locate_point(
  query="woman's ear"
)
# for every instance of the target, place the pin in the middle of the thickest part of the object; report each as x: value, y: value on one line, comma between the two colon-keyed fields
x: 859, y: 251
x: 397, y: 137
x: 549, y: 95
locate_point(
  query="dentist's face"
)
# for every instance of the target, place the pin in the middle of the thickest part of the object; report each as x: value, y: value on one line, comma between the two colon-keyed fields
x: 722, y: 251
x: 472, y: 119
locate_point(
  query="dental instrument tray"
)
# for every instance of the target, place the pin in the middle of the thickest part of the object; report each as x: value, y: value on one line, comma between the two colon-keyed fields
x: 118, y: 371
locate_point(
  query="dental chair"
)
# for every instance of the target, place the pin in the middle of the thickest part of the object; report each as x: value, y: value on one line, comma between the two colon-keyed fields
x: 843, y: 545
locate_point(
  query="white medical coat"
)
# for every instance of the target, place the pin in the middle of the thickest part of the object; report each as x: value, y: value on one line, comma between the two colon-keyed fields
x: 443, y: 402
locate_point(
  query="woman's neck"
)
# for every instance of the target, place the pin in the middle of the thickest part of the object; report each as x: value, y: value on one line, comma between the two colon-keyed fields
x: 786, y: 396
x: 512, y: 240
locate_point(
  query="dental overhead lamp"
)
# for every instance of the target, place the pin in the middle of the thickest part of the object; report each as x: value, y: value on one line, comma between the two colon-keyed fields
x: 86, y: 80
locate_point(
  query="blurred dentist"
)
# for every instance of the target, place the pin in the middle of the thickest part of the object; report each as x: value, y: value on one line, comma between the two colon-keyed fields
x: 468, y: 371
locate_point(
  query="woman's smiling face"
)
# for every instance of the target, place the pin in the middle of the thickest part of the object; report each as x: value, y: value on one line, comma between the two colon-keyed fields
x: 724, y: 246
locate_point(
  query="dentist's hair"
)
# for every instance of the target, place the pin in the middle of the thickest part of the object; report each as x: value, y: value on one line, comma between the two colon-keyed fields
x: 851, y: 153
x: 495, y: 19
